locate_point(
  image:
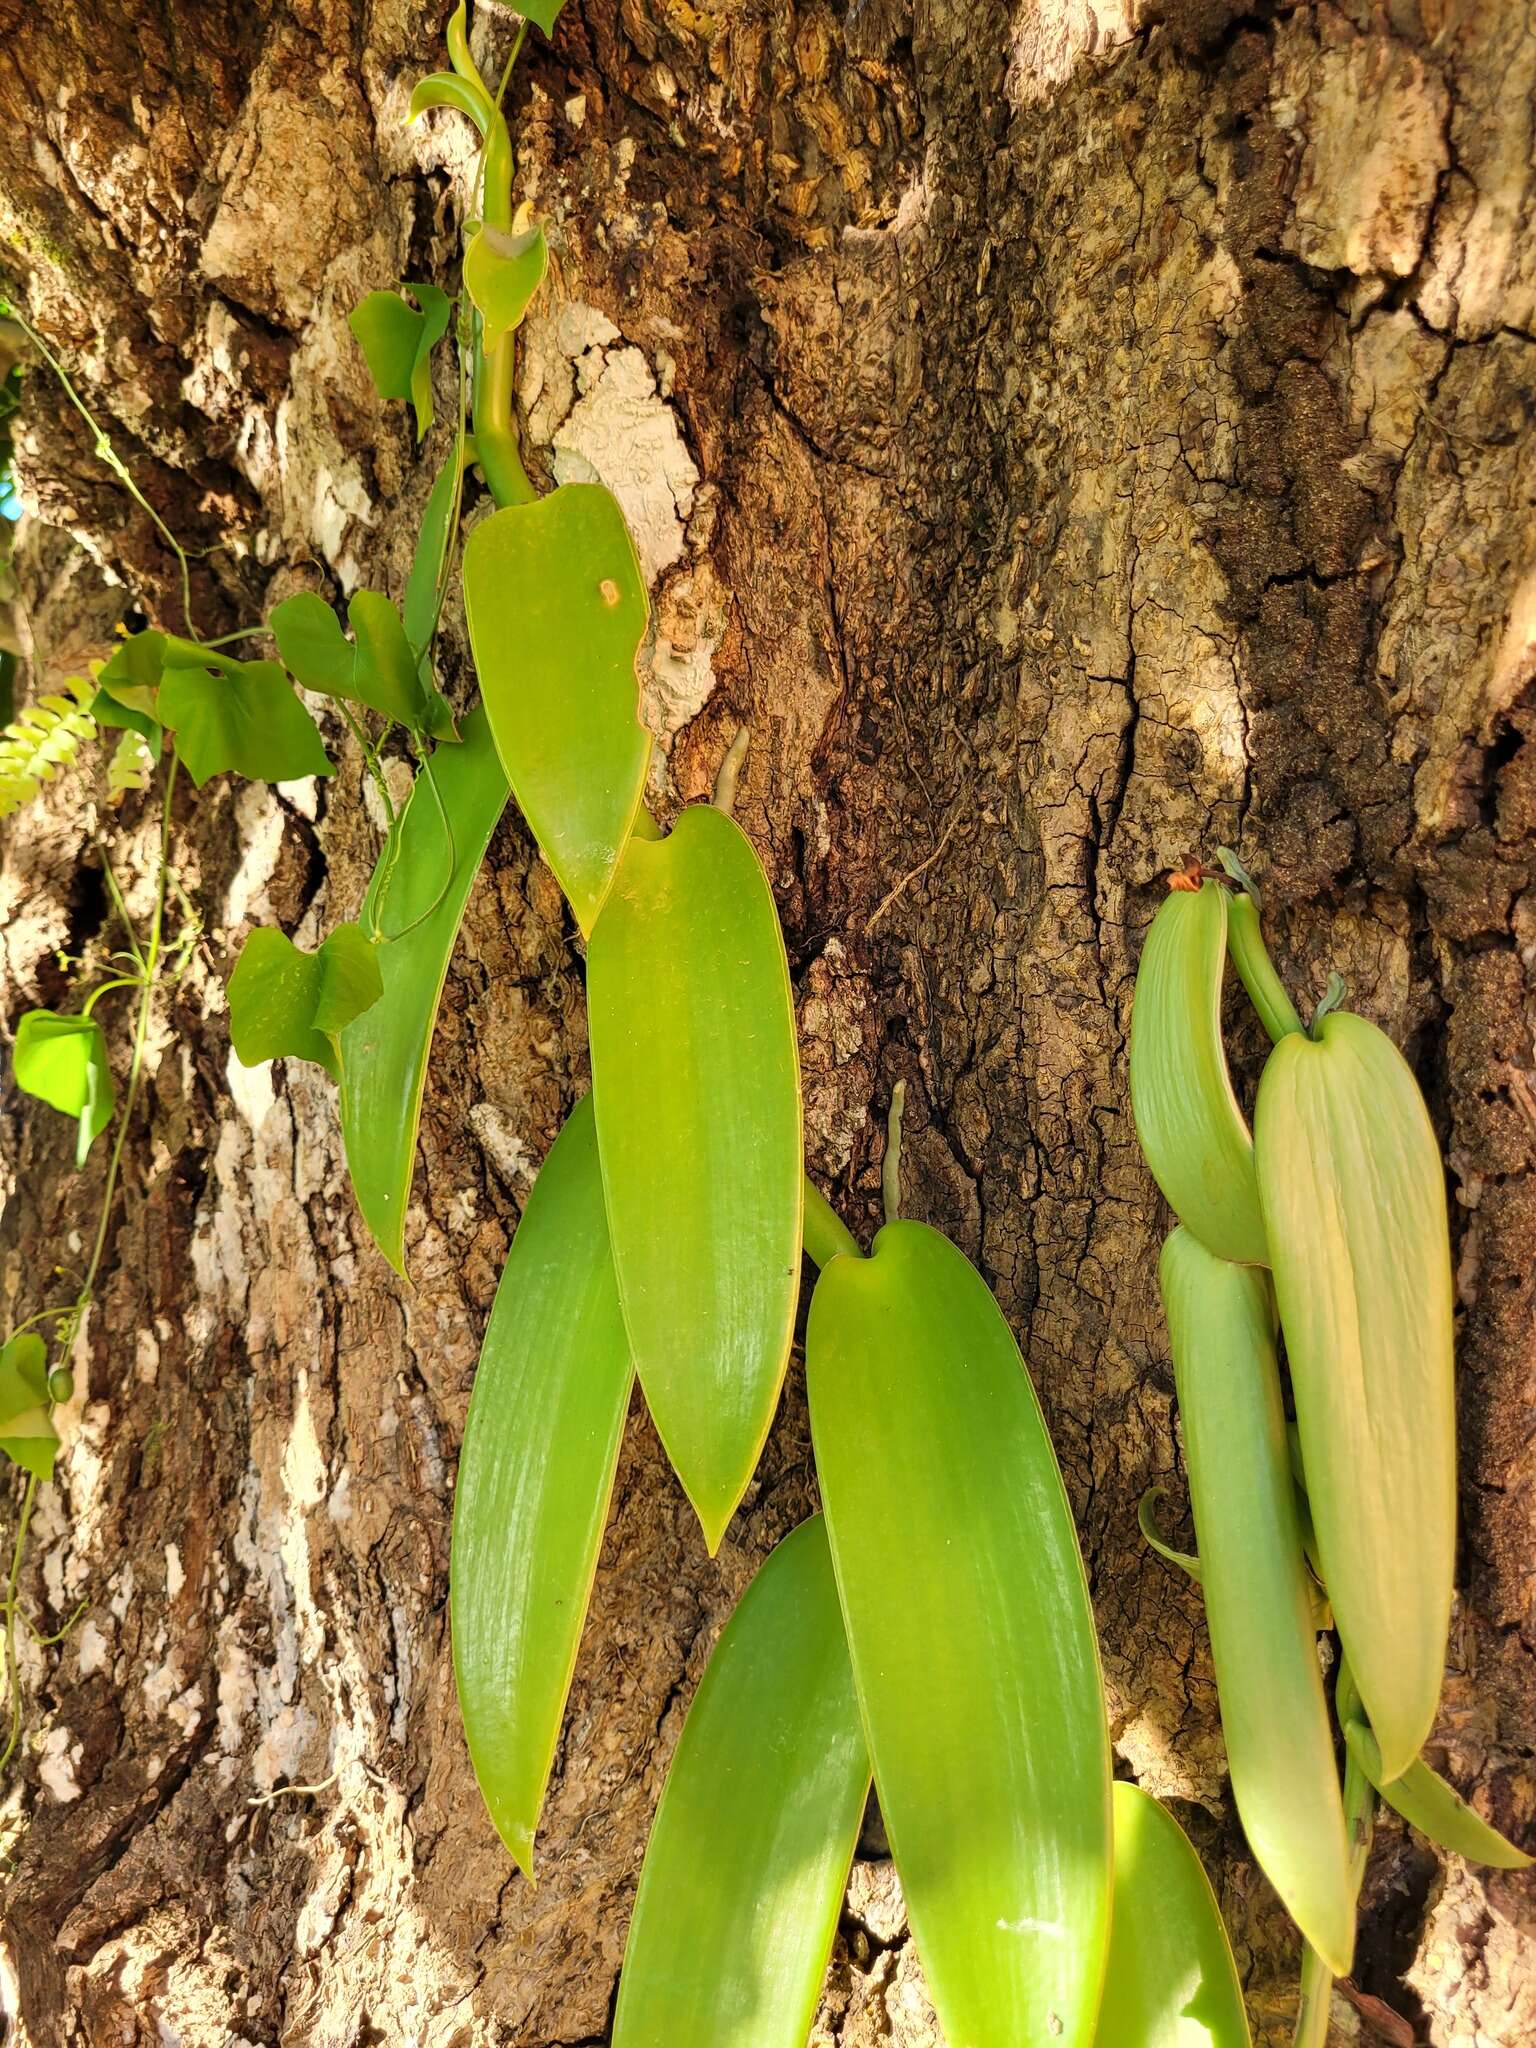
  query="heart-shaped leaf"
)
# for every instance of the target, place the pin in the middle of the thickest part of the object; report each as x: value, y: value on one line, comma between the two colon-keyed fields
x: 535, y: 1475
x: 398, y: 341
x: 696, y: 1078
x: 971, y: 1635
x: 502, y: 271
x: 1172, y: 1981
x: 419, y: 890
x: 288, y: 1003
x: 62, y: 1060
x: 27, y: 1434
x: 557, y: 609
x: 748, y: 1859
x: 236, y: 715
x: 377, y: 668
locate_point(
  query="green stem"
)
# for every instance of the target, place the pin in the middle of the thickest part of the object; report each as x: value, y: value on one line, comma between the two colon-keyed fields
x: 824, y: 1231
x: 109, y: 455
x: 76, y: 1312
x: 12, y: 1585
x: 106, y: 988
x: 495, y: 367
x: 1359, y: 1819
x: 1250, y: 956
x: 1316, y: 2000
x: 890, y: 1170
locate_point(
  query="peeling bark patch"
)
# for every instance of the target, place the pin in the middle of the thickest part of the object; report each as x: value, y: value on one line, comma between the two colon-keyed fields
x: 1370, y: 120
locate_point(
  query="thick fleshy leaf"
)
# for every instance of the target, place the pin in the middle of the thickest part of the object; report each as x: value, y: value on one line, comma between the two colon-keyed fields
x: 971, y: 1635
x: 287, y: 1003
x: 557, y: 609
x: 27, y: 1435
x: 502, y: 271
x: 696, y: 1079
x: 1353, y: 1189
x: 1436, y: 1809
x: 535, y: 1476
x: 1172, y: 1981
x: 242, y: 716
x: 545, y: 13
x: 62, y: 1060
x: 1192, y: 1129
x: 398, y: 341
x: 419, y: 891
x: 1274, y: 1714
x: 748, y: 1858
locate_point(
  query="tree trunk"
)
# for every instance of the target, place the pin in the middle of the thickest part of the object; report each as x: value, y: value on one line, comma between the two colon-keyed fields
x: 1069, y: 438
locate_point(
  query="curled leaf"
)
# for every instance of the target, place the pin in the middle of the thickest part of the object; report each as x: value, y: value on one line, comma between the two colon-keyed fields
x: 27, y: 1434
x: 62, y: 1060
x: 284, y: 1002
x: 502, y: 271
x: 398, y: 341
x: 1435, y: 1808
x: 377, y: 667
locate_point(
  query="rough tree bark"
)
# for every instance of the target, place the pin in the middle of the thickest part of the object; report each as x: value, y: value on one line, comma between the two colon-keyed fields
x: 1070, y: 437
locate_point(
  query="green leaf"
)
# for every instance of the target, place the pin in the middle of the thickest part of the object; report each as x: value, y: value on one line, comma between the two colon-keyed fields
x: 1274, y: 1716
x: 1353, y: 1188
x: 239, y: 715
x: 1436, y: 1809
x: 287, y: 1003
x: 1188, y: 1118
x: 502, y: 271
x: 544, y: 12
x: 535, y: 1476
x: 1172, y: 1981
x: 62, y: 1060
x: 748, y: 1859
x: 132, y: 675
x: 424, y: 883
x: 557, y: 609
x: 27, y: 1435
x: 971, y: 1635
x: 398, y: 341
x: 696, y: 1078
x: 378, y: 668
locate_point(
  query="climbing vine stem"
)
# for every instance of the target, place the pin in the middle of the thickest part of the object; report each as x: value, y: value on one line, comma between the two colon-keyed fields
x: 73, y: 1315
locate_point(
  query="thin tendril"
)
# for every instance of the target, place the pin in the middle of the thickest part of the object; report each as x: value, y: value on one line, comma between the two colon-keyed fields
x: 109, y: 455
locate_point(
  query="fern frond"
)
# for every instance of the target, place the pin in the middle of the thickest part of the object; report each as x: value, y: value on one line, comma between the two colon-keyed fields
x: 44, y: 739
x: 131, y: 766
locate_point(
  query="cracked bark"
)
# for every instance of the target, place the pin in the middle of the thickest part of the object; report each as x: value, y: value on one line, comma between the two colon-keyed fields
x: 1071, y: 439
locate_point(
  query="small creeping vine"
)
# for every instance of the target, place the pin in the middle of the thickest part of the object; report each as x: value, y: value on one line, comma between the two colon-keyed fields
x: 662, y: 1243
